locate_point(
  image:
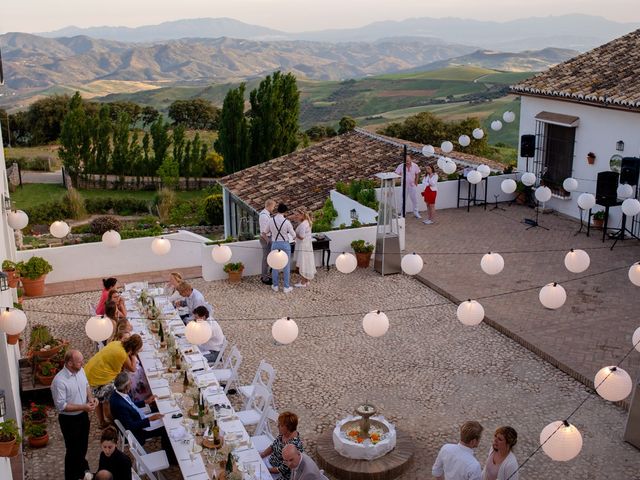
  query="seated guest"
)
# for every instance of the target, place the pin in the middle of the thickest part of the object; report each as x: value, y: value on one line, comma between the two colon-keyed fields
x: 300, y: 464
x: 212, y: 347
x: 191, y: 298
x: 108, y: 284
x: 113, y: 460
x: 122, y: 331
x: 175, y: 278
x: 287, y: 425
x: 114, y: 296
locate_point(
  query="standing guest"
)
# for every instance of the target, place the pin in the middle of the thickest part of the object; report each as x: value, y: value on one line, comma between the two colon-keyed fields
x: 430, y: 193
x: 73, y: 399
x: 502, y: 463
x: 457, y: 461
x: 191, y: 298
x: 114, y: 296
x: 211, y: 348
x: 175, y: 278
x: 111, y: 459
x: 300, y: 464
x: 288, y: 434
x: 122, y: 331
x: 305, y: 259
x: 265, y: 238
x: 413, y: 172
x: 280, y: 228
x: 107, y: 284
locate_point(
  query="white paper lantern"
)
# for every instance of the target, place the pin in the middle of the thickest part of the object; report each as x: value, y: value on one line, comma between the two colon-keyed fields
x: 449, y: 167
x: 277, y: 259
x: 484, y: 170
x: 446, y: 146
x: 412, y: 264
x: 624, y: 191
x: 474, y: 177
x: 441, y: 161
x: 634, y: 274
x: 346, y: 262
x: 509, y: 185
x: 631, y: 207
x: 464, y: 140
x: 570, y: 184
x: 12, y: 321
x: 496, y: 125
x: 635, y: 340
x: 470, y: 313
x: 508, y: 116
x: 221, y: 254
x: 577, y: 261
x: 99, y: 328
x: 613, y: 383
x: 492, y: 263
x: 375, y: 323
x: 561, y: 441
x: 477, y: 133
x: 198, y: 332
x: 528, y: 178
x: 428, y: 150
x: 160, y: 246
x: 59, y: 229
x: 284, y: 331
x: 543, y: 194
x: 586, y: 201
x: 17, y: 219
x: 111, y: 238
x: 552, y: 296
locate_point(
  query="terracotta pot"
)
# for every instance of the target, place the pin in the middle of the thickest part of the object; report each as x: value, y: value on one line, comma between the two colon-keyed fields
x: 37, y: 421
x: 7, y: 449
x: 49, y: 352
x: 39, y: 442
x: 46, y: 381
x: 597, y: 223
x: 12, y: 278
x: 12, y: 339
x: 364, y: 259
x: 235, y: 276
x: 33, y: 288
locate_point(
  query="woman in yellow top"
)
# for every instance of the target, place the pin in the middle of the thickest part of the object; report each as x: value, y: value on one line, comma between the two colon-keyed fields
x: 105, y: 365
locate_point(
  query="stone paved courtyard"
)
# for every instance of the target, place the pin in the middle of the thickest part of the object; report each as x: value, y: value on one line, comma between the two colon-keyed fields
x: 428, y: 374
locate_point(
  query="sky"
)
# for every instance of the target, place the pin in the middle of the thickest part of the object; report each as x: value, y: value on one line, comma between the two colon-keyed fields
x: 34, y: 16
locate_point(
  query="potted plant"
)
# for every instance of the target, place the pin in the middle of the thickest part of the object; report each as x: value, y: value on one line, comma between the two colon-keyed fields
x: 363, y: 251
x: 521, y: 193
x: 37, y: 434
x: 9, y: 438
x: 19, y: 290
x: 33, y: 273
x: 9, y: 268
x: 42, y: 345
x: 234, y: 270
x: 597, y: 219
x: 47, y: 371
x: 37, y: 413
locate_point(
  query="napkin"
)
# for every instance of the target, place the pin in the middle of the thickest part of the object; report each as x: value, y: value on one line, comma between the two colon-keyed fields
x: 158, y: 383
x: 189, y: 468
x: 165, y: 407
x: 178, y: 433
x: 162, y: 392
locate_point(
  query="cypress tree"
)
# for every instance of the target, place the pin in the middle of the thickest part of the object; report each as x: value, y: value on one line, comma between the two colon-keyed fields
x: 233, y: 136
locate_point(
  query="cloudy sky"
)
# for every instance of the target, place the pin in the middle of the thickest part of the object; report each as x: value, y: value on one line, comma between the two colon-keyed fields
x: 289, y: 15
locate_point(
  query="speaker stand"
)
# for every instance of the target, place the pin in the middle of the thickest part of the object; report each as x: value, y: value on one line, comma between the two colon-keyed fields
x: 623, y: 229
x: 582, y: 223
x: 534, y: 223
x: 496, y: 206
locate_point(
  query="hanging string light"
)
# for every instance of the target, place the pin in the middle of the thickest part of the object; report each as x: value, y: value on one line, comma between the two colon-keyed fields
x: 59, y: 229
x: 470, y: 313
x: 552, y: 296
x: 412, y: 264
x: 492, y: 263
x: 613, y: 383
x: 474, y: 177
x: 99, y: 328
x: 570, y: 184
x: 17, y: 219
x: 160, y: 246
x: 509, y: 185
x: 634, y: 274
x: 528, y: 179
x: 428, y: 150
x: 284, y: 331
x: 561, y: 441
x: 375, y: 324
x: 198, y: 332
x: 277, y: 259
x: 221, y: 254
x: 577, y: 261
x: 586, y: 201
x: 111, y: 238
x: 446, y: 146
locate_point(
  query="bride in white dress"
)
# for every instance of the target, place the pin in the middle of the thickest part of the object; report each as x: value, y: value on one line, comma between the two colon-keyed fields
x: 305, y: 259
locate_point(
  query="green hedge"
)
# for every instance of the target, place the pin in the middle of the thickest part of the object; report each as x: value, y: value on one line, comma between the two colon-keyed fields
x: 119, y: 206
x: 213, y: 212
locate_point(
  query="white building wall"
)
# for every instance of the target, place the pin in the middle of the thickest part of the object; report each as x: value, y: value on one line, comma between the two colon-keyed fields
x: 344, y: 205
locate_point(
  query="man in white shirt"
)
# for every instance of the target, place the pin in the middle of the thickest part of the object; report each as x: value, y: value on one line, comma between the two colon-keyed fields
x: 265, y: 238
x: 280, y: 229
x: 192, y: 298
x: 413, y: 172
x: 73, y: 399
x: 457, y: 461
x: 211, y: 348
x: 301, y: 465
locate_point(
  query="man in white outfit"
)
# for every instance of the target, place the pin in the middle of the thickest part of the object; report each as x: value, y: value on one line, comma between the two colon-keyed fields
x: 413, y: 172
x: 457, y: 461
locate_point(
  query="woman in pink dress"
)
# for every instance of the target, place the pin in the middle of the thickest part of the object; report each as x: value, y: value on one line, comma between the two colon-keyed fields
x: 107, y: 284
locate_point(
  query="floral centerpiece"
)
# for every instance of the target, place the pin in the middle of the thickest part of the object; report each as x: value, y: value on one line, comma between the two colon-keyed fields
x: 375, y: 435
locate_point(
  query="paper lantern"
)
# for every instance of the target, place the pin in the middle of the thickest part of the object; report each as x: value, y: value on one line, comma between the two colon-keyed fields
x: 470, y: 313
x: 284, y: 331
x: 464, y: 140
x: 492, y: 263
x: 561, y: 441
x: 277, y: 259
x: 59, y: 229
x: 570, y: 184
x: 99, y: 328
x: 509, y: 185
x: 428, y: 150
x: 586, y: 201
x: 412, y: 264
x: 474, y: 177
x: 449, y: 167
x: 484, y: 170
x: 221, y: 254
x: 17, y: 219
x: 496, y: 125
x: 160, y: 246
x: 543, y: 194
x: 346, y: 262
x: 441, y: 161
x: 634, y: 274
x: 635, y: 340
x: 12, y: 321
x: 631, y: 207
x: 552, y: 296
x: 528, y: 178
x: 446, y: 146
x: 508, y: 116
x: 111, y: 238
x: 613, y: 383
x: 624, y: 191
x: 577, y: 261
x: 477, y: 133
x: 375, y: 323
x: 198, y: 332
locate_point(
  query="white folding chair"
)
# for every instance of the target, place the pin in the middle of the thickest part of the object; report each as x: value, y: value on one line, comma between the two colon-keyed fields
x: 146, y: 462
x: 122, y: 434
x: 92, y: 309
x: 134, y: 474
x: 265, y: 376
x: 141, y: 468
x: 264, y: 436
x: 259, y: 401
x: 229, y: 373
x: 220, y: 360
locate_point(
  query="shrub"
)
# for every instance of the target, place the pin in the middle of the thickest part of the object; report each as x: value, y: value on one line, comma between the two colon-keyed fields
x: 8, y: 265
x: 120, y: 206
x: 47, y: 212
x: 74, y: 203
x: 99, y: 225
x: 166, y: 200
x: 34, y: 268
x: 80, y: 229
x: 39, y: 163
x: 360, y: 246
x: 213, y: 212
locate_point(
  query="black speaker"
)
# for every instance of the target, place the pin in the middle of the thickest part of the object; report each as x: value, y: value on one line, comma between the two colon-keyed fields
x: 606, y: 188
x: 528, y: 146
x: 629, y: 170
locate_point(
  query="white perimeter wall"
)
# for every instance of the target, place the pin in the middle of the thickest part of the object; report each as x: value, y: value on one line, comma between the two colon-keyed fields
x: 344, y: 205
